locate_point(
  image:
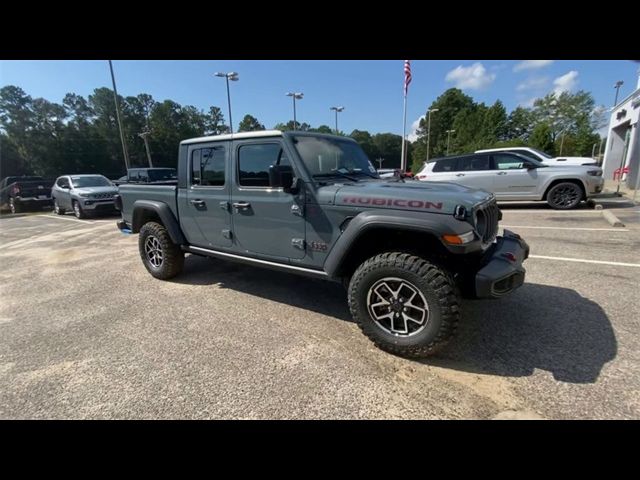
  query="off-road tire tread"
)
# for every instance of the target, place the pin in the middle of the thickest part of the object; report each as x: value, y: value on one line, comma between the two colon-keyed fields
x: 173, y: 255
x: 442, y: 283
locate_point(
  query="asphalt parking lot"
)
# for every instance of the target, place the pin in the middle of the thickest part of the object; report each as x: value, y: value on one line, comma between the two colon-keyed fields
x: 88, y: 333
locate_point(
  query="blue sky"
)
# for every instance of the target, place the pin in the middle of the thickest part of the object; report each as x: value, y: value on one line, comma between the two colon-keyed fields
x: 370, y: 91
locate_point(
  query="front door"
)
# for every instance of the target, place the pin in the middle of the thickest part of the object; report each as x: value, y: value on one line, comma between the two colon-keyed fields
x: 266, y: 221
x: 511, y: 179
x: 207, y: 221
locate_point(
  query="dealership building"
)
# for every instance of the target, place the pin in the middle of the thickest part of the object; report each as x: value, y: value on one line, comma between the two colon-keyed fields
x: 622, y: 153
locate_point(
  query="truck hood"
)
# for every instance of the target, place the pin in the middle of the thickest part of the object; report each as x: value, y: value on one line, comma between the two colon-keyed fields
x: 432, y: 197
x: 559, y: 161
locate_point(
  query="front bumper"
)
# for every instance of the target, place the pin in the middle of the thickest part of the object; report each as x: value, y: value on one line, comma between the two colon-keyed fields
x: 501, y: 270
x: 97, y: 205
x: 595, y: 186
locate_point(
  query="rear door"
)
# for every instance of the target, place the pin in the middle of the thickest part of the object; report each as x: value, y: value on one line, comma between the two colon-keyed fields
x: 444, y: 170
x: 266, y: 221
x: 511, y: 179
x: 475, y: 171
x: 207, y: 216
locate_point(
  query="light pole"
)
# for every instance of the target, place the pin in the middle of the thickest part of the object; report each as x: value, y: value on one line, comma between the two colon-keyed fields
x: 617, y: 86
x: 295, y: 96
x: 449, y: 132
x: 115, y: 97
x: 429, y: 112
x: 337, y: 109
x: 233, y: 76
x: 144, y: 136
x: 380, y: 160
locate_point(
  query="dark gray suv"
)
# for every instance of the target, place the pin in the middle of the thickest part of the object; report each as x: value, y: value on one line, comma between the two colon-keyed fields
x: 83, y: 194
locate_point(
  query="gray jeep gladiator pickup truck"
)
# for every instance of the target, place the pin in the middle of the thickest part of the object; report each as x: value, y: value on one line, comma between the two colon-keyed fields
x: 314, y: 204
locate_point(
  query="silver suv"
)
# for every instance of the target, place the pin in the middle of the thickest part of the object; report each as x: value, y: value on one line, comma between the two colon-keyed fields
x: 83, y: 194
x: 512, y: 176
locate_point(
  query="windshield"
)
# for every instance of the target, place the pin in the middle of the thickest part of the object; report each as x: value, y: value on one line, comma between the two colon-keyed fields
x: 330, y: 156
x: 90, y: 181
x: 162, y: 174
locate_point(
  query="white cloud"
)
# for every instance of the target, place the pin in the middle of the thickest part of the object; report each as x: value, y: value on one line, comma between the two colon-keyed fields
x: 533, y: 83
x: 473, y: 77
x: 565, y: 83
x: 413, y: 135
x: 528, y: 103
x: 531, y: 65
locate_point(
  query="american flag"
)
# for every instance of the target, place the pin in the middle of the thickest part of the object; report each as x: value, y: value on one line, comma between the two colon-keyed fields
x: 407, y: 76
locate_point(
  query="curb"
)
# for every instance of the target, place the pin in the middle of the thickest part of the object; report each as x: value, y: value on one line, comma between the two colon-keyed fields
x: 612, y: 219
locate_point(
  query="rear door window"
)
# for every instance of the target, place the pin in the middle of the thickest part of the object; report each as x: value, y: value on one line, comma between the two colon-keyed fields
x: 208, y: 166
x: 446, y: 165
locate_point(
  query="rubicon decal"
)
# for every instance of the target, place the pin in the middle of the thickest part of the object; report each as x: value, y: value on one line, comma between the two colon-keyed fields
x: 393, y: 202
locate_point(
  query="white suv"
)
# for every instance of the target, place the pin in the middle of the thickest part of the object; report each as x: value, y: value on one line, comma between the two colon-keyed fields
x: 512, y: 176
x: 544, y: 157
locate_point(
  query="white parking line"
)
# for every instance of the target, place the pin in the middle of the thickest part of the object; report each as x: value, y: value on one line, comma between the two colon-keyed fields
x: 569, y: 228
x: 71, y: 219
x: 582, y: 260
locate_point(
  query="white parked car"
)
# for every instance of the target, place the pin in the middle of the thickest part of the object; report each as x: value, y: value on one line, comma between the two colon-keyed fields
x: 512, y: 176
x: 544, y: 157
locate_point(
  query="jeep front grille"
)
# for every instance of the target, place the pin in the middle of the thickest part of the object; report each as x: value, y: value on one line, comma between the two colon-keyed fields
x: 486, y: 221
x: 102, y: 196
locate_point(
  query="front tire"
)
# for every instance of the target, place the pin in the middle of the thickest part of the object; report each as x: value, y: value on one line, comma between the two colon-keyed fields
x: 162, y: 258
x: 564, y: 196
x: 404, y: 304
x: 78, y: 211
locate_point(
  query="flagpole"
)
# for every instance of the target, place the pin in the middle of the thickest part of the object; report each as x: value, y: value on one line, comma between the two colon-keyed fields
x: 403, y: 157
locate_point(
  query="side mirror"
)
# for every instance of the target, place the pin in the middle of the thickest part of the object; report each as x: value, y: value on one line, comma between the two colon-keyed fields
x: 281, y: 176
x: 530, y: 166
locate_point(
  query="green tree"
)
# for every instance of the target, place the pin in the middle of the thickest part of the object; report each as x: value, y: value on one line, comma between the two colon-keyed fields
x: 249, y: 124
x: 494, y: 125
x: 542, y: 138
x: 519, y: 125
x: 322, y: 129
x: 449, y: 105
x: 564, y: 113
x: 214, y: 122
x: 285, y: 127
x: 366, y: 142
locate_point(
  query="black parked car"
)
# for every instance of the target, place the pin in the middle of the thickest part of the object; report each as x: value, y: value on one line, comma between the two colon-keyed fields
x: 148, y: 175
x: 20, y: 193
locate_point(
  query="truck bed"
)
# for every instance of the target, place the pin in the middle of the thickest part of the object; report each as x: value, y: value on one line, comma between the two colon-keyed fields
x: 130, y: 192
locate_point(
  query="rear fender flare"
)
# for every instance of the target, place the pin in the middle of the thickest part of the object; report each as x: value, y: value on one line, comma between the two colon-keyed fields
x: 165, y: 214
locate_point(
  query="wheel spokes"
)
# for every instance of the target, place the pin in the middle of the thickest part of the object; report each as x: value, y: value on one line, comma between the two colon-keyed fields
x: 397, y: 306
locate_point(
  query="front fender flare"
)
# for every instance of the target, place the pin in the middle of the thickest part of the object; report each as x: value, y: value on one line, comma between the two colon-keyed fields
x: 432, y: 223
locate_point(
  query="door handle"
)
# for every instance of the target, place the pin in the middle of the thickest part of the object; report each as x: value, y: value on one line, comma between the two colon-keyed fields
x: 501, y: 173
x: 197, y: 203
x: 241, y: 205
x: 459, y: 174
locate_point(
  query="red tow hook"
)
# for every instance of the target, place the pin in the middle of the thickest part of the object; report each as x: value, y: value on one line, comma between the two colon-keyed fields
x: 509, y: 256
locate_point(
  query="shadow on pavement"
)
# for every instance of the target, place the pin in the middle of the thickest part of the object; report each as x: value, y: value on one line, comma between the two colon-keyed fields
x: 326, y: 298
x: 538, y: 326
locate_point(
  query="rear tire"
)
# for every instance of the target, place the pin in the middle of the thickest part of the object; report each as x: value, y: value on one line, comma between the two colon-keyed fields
x: 419, y: 300
x: 56, y: 208
x: 564, y: 196
x: 161, y: 257
x: 14, y: 206
x: 78, y: 211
